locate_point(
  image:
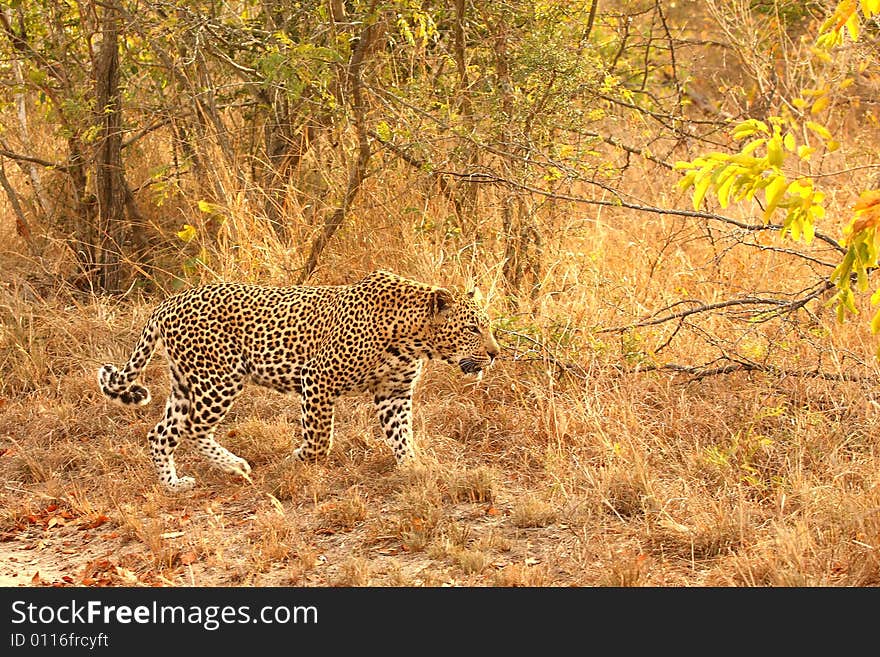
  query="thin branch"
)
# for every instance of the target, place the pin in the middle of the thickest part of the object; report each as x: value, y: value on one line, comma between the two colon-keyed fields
x: 777, y: 307
x: 358, y: 170
x: 613, y: 141
x: 30, y: 158
x: 21, y: 221
x: 699, y: 372
x: 491, y: 178
x: 696, y: 372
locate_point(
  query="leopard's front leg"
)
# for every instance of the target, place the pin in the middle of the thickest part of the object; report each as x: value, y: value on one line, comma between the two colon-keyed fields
x: 395, y: 416
x: 394, y: 405
x: 317, y: 424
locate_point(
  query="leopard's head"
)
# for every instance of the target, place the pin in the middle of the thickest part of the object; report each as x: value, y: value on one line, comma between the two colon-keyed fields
x: 461, y: 333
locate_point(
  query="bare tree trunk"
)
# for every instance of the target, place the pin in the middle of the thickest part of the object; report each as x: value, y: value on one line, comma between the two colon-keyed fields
x: 522, y: 238
x: 24, y: 132
x: 284, y: 152
x: 465, y: 197
x: 21, y: 223
x: 110, y: 188
x: 359, y: 167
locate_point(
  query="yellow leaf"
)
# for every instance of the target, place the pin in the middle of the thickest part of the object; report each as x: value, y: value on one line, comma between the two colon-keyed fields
x: 207, y: 208
x: 188, y: 233
x: 805, y: 151
x: 809, y: 231
x: 749, y: 148
x: 773, y: 193
x: 687, y: 181
x: 384, y: 131
x: 775, y: 156
x: 724, y: 189
x: 748, y: 128
x: 870, y: 7
x: 700, y: 190
x: 852, y: 26
x: 788, y: 141
x: 819, y: 129
x: 867, y: 200
x: 875, y: 323
x: 821, y: 103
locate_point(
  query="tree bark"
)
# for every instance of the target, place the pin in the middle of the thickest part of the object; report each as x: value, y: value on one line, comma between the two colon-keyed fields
x: 21, y: 223
x: 110, y: 188
x: 465, y: 196
x: 358, y: 169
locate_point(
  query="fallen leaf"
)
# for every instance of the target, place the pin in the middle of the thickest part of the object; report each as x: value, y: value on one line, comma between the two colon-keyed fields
x: 127, y: 576
x: 188, y: 557
x: 95, y: 522
x: 35, y: 580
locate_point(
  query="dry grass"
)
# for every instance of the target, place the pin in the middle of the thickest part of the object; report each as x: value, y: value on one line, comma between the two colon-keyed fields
x: 617, y: 479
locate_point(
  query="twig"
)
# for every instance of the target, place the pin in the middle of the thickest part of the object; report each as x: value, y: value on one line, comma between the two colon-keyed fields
x: 778, y: 306
x: 699, y: 372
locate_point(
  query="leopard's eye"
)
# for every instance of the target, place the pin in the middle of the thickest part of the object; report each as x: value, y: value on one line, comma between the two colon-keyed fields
x: 473, y: 328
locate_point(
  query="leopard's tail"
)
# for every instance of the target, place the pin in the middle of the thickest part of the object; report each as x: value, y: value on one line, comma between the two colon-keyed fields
x: 119, y: 385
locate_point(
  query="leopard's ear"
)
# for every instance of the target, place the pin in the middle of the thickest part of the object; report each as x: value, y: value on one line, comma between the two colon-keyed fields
x: 441, y: 302
x: 475, y: 294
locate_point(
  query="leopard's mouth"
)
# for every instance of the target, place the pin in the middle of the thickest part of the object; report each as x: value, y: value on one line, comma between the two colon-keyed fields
x: 470, y: 366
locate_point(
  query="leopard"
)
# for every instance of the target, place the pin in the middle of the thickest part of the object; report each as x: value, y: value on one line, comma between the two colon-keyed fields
x: 320, y: 342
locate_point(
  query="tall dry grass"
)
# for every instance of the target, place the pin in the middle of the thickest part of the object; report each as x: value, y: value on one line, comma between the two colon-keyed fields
x: 600, y: 473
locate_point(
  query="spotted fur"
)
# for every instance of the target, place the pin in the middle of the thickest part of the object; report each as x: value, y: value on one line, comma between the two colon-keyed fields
x: 320, y: 342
